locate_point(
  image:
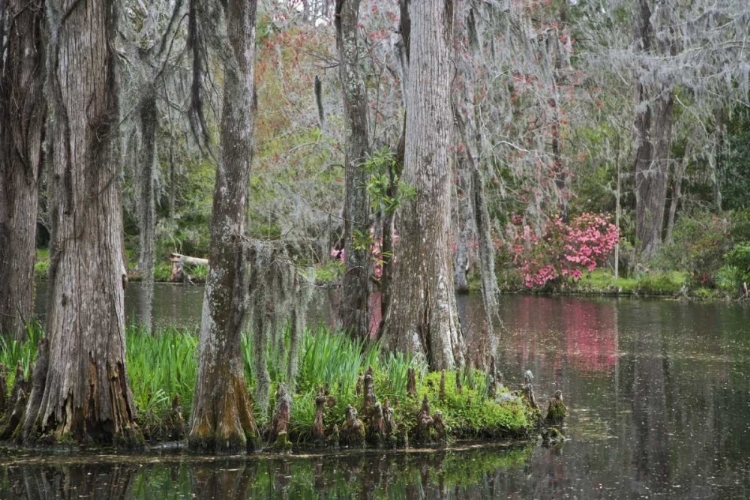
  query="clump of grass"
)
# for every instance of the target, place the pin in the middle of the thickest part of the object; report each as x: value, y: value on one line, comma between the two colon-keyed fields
x: 13, y: 351
x: 165, y: 364
x: 161, y: 366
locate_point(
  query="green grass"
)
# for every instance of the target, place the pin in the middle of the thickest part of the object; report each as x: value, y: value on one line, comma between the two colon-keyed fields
x: 165, y: 364
x: 658, y: 283
x: 41, y: 264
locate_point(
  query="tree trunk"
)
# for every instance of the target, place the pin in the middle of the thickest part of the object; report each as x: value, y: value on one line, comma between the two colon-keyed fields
x: 355, y: 298
x: 86, y: 394
x: 653, y: 125
x: 147, y: 204
x: 677, y: 190
x: 389, y: 230
x: 654, y: 132
x: 422, y: 315
x: 22, y: 113
x: 222, y: 417
x: 467, y: 108
x: 463, y: 224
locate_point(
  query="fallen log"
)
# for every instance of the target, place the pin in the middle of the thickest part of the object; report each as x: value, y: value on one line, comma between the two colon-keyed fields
x: 179, y: 261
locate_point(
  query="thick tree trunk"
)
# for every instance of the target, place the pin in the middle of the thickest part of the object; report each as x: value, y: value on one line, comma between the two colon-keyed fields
x: 147, y: 204
x: 422, y: 317
x: 86, y: 395
x: 654, y: 131
x: 389, y: 230
x: 653, y: 126
x: 355, y: 298
x: 222, y: 417
x: 22, y: 113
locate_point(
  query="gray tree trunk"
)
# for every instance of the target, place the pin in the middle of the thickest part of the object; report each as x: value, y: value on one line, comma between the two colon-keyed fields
x: 355, y: 314
x: 677, y: 191
x: 22, y: 114
x: 653, y: 126
x: 147, y: 204
x: 463, y: 231
x: 422, y: 317
x: 85, y: 394
x: 467, y: 121
x: 222, y: 418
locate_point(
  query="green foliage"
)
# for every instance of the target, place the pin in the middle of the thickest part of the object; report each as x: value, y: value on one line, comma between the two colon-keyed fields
x: 384, y: 175
x: 668, y: 283
x: 738, y: 262
x: 329, y: 271
x: 740, y: 225
x: 12, y: 352
x: 699, y: 244
x: 164, y: 364
x: 736, y: 182
x: 41, y: 264
x: 161, y: 366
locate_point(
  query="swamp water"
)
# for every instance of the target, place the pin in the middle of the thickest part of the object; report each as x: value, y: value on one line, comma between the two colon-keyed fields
x: 658, y: 395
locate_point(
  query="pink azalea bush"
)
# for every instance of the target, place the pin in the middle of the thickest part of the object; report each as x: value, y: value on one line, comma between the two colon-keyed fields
x: 564, y: 250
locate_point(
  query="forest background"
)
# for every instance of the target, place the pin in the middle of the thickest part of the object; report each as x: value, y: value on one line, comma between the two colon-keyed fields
x: 586, y: 115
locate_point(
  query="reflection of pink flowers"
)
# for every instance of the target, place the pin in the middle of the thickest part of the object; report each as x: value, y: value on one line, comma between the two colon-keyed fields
x: 564, y: 250
x: 566, y: 332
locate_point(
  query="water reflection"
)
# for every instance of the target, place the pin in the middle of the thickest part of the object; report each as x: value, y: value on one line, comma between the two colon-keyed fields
x: 467, y: 474
x: 658, y: 394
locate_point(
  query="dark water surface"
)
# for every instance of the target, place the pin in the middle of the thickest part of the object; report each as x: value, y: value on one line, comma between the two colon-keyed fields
x: 658, y: 395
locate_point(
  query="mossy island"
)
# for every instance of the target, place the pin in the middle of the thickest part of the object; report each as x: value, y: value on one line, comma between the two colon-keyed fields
x: 345, y: 394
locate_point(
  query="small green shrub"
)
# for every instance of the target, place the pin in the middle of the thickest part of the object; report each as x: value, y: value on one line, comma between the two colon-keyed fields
x: 699, y: 244
x: 660, y: 284
x: 738, y: 261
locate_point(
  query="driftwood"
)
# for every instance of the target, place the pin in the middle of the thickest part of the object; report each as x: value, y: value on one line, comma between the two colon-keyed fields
x: 178, y: 263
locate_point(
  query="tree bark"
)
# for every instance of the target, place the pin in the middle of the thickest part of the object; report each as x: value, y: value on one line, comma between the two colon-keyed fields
x: 22, y: 114
x: 463, y: 224
x: 222, y: 418
x: 422, y: 317
x: 86, y: 394
x: 355, y: 298
x: 467, y: 107
x: 653, y: 126
x: 654, y: 132
x: 147, y: 204
x: 677, y: 190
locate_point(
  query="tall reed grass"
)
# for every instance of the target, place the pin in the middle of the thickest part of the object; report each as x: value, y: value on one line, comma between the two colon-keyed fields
x: 165, y: 363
